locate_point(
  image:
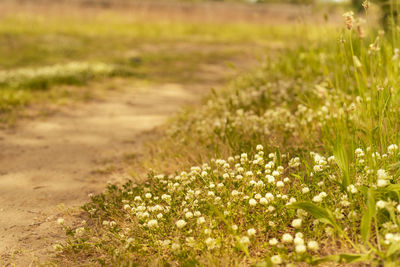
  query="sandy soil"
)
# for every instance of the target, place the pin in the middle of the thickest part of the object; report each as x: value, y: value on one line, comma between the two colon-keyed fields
x: 50, y: 163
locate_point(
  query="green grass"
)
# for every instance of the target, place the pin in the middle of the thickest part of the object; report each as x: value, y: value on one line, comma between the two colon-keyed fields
x: 36, y: 41
x: 156, y: 51
x: 296, y: 162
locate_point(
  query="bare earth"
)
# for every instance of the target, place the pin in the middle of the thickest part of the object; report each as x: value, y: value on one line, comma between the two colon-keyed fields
x: 48, y: 163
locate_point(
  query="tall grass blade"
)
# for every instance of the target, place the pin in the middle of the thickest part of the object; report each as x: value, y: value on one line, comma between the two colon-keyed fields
x: 368, y: 215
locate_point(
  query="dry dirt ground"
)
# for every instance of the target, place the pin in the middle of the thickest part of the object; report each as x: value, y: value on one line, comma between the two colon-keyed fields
x: 52, y: 163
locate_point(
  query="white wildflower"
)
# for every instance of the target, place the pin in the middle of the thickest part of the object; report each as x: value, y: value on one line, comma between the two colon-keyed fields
x: 201, y: 220
x: 251, y: 231
x: 245, y: 240
x: 313, y: 245
x: 317, y: 198
x: 381, y: 204
x: 287, y: 238
x: 152, y: 223
x: 296, y: 223
x: 180, y: 223
x: 382, y: 174
x: 269, y: 196
x: 263, y: 201
x: 382, y: 183
x: 300, y: 248
x: 276, y: 259
x: 252, y: 202
x: 211, y: 243
x: 273, y: 241
x: 392, y: 148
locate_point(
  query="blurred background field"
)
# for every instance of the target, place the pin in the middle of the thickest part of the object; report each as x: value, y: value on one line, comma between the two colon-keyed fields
x: 47, y: 43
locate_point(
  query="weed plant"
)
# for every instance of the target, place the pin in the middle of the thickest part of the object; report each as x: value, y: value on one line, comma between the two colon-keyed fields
x: 303, y: 168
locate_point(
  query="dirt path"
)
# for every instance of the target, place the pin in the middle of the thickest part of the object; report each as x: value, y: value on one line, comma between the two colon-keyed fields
x: 48, y: 162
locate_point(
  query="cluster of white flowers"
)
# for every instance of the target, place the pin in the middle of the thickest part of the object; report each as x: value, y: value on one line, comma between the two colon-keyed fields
x: 245, y: 201
x: 392, y: 238
x: 319, y: 197
x: 233, y: 112
x: 191, y: 206
x: 383, y: 179
x: 248, y: 203
x: 320, y: 162
x: 300, y: 246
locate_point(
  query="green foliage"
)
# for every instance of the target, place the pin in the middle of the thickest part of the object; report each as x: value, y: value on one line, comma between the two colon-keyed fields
x: 299, y: 154
x: 34, y: 61
x: 368, y: 215
x: 342, y: 258
x: 322, y: 214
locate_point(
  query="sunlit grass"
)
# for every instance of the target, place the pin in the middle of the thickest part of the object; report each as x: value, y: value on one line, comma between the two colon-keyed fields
x: 36, y: 40
x: 159, y: 51
x: 296, y: 162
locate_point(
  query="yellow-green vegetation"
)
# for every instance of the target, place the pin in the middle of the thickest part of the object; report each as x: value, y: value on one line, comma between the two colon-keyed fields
x: 41, y: 49
x: 299, y: 163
